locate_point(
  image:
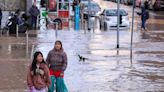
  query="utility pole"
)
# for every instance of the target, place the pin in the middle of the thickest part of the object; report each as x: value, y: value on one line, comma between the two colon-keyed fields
x: 131, y: 45
x: 118, y: 19
x: 89, y: 9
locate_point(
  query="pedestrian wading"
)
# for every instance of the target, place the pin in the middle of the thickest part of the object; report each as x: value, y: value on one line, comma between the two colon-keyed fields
x: 38, y: 77
x: 57, y: 62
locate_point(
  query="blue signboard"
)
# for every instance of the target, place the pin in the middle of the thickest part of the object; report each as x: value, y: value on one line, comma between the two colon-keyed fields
x: 77, y: 17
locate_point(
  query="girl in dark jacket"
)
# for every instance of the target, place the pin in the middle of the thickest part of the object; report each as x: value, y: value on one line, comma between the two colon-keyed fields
x: 57, y: 62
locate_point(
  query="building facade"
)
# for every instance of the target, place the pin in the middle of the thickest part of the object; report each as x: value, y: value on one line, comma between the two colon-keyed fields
x: 11, y: 5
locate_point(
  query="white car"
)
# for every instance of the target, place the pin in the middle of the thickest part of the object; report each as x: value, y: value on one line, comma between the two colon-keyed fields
x: 85, y: 1
x: 108, y: 19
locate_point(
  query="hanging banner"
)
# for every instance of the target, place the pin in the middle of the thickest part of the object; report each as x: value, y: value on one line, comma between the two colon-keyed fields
x: 52, y: 5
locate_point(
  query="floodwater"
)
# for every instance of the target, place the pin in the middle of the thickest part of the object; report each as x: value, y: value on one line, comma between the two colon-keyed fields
x: 107, y: 68
x: 14, y: 60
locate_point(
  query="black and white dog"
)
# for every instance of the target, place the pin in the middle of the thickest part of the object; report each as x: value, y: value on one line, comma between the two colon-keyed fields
x: 81, y: 58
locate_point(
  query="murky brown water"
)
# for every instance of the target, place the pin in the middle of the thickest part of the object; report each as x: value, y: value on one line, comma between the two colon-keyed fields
x: 13, y: 51
x: 107, y: 69
x: 14, y: 60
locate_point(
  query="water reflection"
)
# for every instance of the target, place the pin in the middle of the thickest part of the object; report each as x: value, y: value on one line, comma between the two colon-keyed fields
x: 107, y: 65
x: 14, y: 51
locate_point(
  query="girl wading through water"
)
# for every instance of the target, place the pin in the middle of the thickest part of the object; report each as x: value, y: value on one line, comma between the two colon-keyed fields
x: 38, y: 77
x: 57, y: 62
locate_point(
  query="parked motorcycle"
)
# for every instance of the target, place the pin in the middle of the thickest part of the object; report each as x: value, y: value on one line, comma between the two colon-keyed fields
x: 14, y: 20
x: 9, y: 27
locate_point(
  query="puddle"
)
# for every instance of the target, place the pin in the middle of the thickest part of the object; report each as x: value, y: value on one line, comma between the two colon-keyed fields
x: 14, y: 51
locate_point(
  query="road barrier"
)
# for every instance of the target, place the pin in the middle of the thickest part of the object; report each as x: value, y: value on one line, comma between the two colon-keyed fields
x: 1, y: 32
x: 17, y: 29
x: 32, y: 51
x: 27, y: 44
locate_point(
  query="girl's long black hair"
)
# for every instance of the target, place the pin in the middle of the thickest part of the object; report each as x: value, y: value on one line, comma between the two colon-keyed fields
x: 34, y: 62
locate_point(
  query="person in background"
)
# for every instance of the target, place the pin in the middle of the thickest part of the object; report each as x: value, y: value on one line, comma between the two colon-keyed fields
x: 43, y: 3
x: 34, y: 12
x: 144, y: 16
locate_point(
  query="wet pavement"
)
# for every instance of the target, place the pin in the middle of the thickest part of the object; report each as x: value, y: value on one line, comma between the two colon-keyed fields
x: 107, y: 69
x: 155, y: 21
x: 14, y: 59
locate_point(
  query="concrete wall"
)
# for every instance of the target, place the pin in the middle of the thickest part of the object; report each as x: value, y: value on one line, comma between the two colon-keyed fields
x: 28, y: 5
x: 12, y: 5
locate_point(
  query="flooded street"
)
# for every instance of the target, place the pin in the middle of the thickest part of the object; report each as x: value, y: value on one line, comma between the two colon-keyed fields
x: 155, y: 22
x: 109, y: 69
x: 106, y: 69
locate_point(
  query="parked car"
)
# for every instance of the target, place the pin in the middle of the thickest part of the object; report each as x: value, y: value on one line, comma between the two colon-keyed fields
x: 84, y: 1
x: 108, y: 19
x: 94, y: 10
x: 140, y: 3
x: 128, y: 2
x: 156, y: 4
